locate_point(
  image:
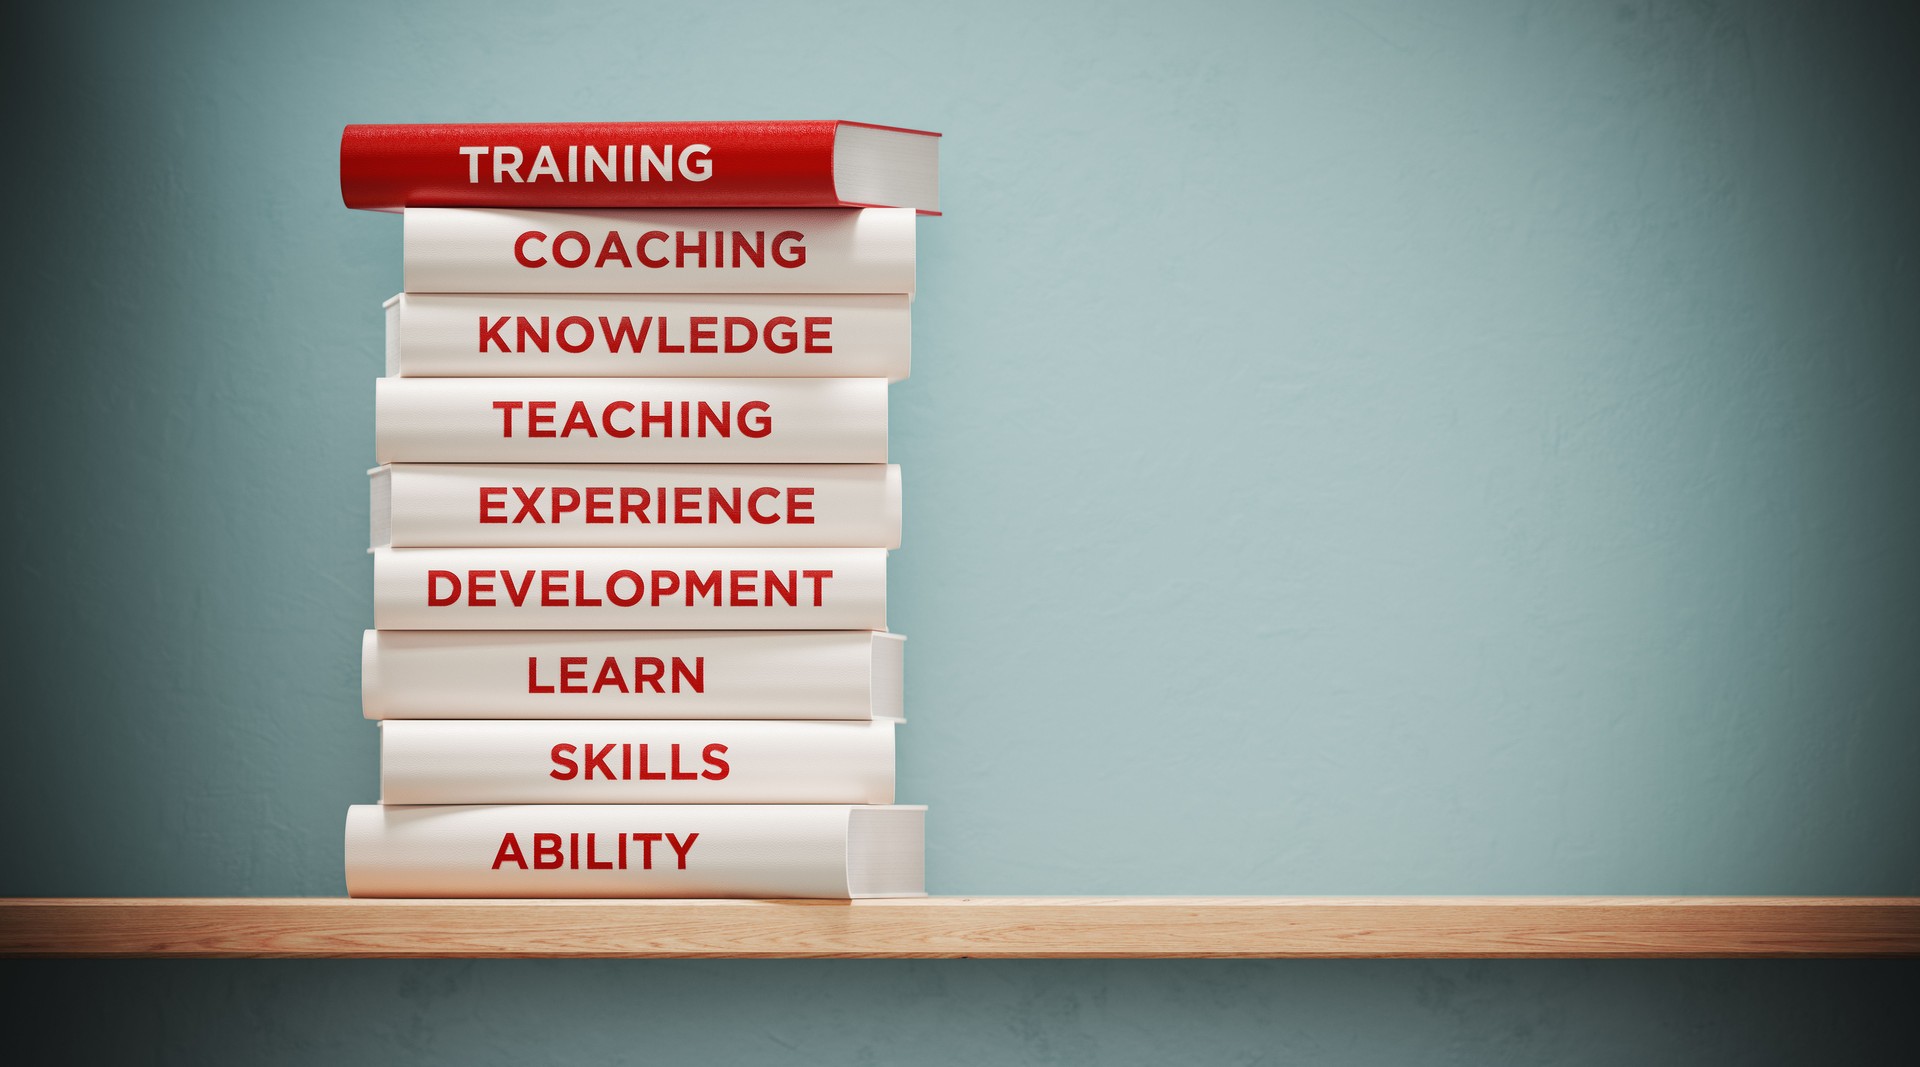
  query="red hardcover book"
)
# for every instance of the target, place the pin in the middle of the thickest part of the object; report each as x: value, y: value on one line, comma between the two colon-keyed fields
x: 639, y: 164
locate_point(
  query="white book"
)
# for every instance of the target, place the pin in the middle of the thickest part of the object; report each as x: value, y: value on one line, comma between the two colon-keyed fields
x: 631, y: 674
x: 832, y: 851
x: 581, y: 335
x: 659, y: 250
x: 630, y: 420
x: 630, y: 589
x: 418, y: 505
x: 608, y: 761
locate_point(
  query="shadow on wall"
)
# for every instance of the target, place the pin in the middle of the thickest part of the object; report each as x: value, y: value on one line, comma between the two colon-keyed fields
x: 968, y: 1012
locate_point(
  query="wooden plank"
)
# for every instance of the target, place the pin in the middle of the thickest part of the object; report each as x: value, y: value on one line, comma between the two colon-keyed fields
x: 977, y: 927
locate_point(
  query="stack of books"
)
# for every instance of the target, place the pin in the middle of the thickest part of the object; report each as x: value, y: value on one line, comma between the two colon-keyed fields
x: 631, y: 519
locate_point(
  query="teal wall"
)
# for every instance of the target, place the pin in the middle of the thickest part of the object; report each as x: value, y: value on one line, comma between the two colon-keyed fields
x: 1352, y: 448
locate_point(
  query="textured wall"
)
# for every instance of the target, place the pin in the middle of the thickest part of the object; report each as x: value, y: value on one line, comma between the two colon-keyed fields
x: 1352, y: 448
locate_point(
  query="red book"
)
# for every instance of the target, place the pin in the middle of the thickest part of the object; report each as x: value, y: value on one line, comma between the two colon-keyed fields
x: 640, y: 164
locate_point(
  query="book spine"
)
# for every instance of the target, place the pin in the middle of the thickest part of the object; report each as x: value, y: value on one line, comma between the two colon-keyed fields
x: 629, y: 420
x: 603, y: 761
x: 599, y: 674
x: 734, y: 335
x: 630, y: 588
x: 598, y: 850
x: 835, y: 505
x: 589, y: 164
x: 838, y: 250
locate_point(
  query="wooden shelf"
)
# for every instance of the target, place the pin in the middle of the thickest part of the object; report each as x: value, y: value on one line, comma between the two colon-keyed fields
x: 980, y: 927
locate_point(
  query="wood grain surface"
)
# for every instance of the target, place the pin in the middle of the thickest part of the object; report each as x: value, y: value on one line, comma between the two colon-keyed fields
x: 978, y: 927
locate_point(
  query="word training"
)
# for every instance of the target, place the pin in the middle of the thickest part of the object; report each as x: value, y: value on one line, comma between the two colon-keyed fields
x: 615, y: 163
